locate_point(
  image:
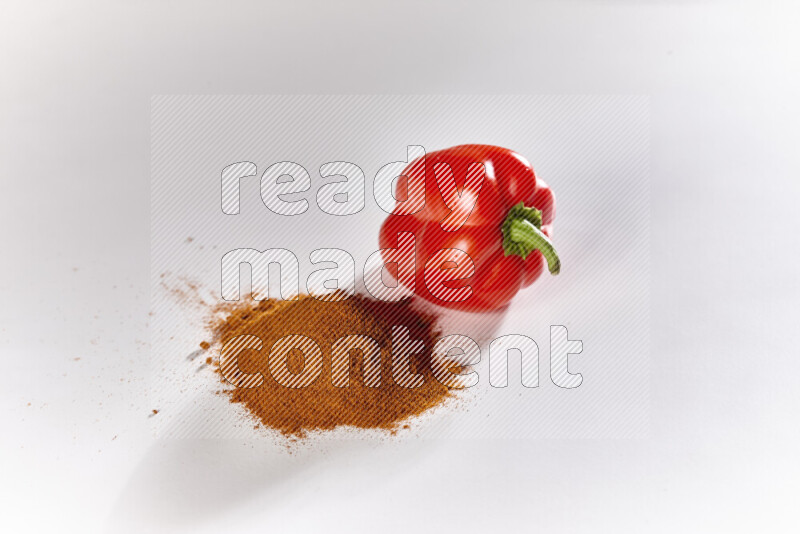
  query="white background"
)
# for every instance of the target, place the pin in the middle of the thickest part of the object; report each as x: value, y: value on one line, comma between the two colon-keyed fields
x: 74, y: 163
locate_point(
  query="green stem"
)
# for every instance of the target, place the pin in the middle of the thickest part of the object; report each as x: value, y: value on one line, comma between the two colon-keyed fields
x: 522, y: 235
x: 527, y: 235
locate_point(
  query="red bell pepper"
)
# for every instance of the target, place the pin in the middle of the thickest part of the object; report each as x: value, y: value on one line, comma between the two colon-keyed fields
x: 488, y: 204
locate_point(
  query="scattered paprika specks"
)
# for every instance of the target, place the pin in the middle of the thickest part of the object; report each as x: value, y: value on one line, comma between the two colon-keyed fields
x: 209, y: 360
x: 205, y: 345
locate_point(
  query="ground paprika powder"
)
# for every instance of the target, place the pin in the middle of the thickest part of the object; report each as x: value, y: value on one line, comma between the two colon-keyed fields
x: 321, y: 405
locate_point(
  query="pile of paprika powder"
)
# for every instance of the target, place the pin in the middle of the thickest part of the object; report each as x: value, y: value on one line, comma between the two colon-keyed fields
x: 321, y: 405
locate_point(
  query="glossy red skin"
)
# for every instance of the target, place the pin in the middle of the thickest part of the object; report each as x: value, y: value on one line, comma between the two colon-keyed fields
x: 509, y: 180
